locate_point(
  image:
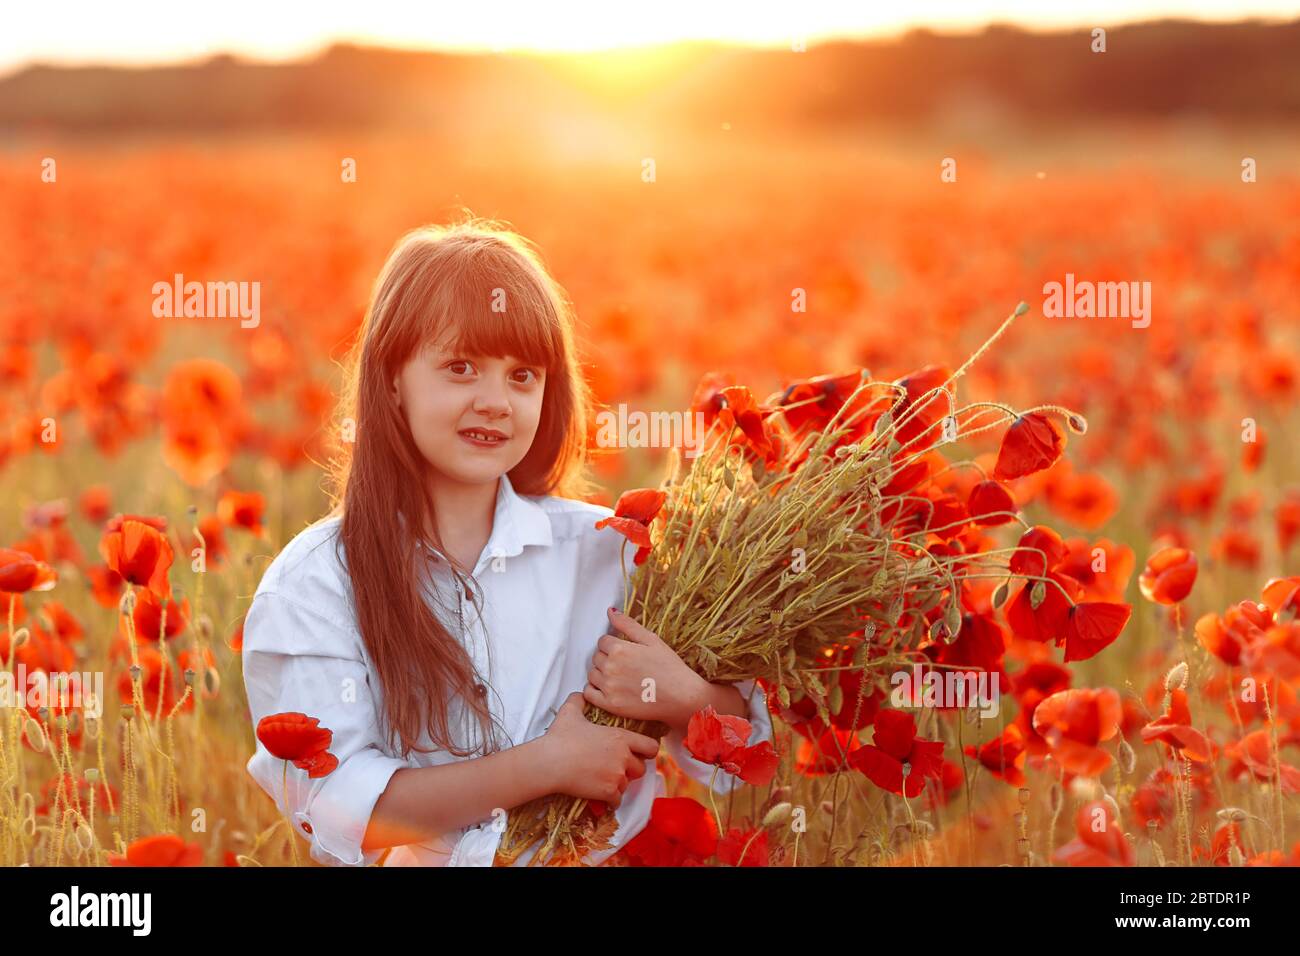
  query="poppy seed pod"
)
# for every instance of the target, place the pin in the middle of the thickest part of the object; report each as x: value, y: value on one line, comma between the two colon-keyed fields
x: 21, y: 636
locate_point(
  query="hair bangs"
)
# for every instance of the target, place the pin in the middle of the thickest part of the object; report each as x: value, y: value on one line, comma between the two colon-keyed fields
x: 498, y: 310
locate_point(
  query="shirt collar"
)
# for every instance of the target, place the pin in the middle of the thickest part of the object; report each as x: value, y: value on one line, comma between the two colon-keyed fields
x: 518, y: 521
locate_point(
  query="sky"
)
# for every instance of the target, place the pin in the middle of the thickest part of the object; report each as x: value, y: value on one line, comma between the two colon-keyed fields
x: 165, y: 31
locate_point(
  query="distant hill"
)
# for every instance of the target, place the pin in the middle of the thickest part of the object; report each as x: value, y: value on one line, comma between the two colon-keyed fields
x: 1248, y: 70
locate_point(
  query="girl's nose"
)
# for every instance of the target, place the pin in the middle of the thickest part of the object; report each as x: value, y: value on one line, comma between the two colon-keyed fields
x: 492, y: 399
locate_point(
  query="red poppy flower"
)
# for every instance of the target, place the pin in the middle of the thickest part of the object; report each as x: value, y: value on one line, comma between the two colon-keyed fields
x: 1003, y: 756
x: 680, y: 832
x: 739, y: 410
x: 895, y: 746
x: 1032, y: 443
x: 1174, y: 727
x: 148, y: 613
x: 214, y: 541
x: 243, y: 510
x: 94, y: 503
x: 990, y: 504
x: 1074, y: 722
x: 1092, y: 626
x: 752, y: 843
x: 1102, y: 568
x: 1099, y: 841
x: 1168, y: 576
x: 20, y: 572
x: 1253, y: 754
x: 721, y: 740
x: 1039, y: 550
x: 76, y: 793
x: 633, y: 513
x: 1048, y: 621
x: 164, y: 849
x: 297, y: 737
x: 139, y: 552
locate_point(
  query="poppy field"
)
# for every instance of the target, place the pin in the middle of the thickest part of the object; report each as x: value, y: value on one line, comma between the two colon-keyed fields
x: 1136, y: 476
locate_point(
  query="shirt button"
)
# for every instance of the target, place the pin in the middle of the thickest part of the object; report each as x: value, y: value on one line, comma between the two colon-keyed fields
x: 307, y: 826
x: 480, y: 690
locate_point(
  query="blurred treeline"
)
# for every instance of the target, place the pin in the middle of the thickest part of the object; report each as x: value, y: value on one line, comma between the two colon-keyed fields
x: 1244, y: 71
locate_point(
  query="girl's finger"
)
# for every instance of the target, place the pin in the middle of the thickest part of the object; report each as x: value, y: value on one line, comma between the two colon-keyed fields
x: 598, y: 659
x: 595, y: 678
x: 629, y: 627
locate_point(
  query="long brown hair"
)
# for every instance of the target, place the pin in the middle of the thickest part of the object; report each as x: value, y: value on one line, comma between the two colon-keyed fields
x: 435, y: 277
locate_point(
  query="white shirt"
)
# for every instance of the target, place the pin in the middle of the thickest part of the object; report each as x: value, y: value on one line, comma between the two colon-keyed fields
x: 546, y: 576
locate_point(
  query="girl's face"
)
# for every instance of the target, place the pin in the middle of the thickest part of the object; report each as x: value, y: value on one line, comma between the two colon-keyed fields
x: 473, y: 417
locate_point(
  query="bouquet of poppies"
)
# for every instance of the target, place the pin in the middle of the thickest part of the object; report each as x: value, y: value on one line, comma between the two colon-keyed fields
x: 817, y: 531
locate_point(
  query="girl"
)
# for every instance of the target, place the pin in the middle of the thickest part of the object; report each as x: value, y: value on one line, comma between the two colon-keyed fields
x: 446, y: 620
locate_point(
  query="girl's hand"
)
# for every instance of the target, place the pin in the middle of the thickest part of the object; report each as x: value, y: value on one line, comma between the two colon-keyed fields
x: 621, y: 665
x: 594, y: 762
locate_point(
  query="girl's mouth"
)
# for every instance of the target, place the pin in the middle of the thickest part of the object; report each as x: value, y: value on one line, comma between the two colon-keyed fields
x: 483, y: 439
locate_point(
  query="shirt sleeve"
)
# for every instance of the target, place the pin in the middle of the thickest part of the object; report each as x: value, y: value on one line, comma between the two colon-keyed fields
x: 760, y: 722
x: 297, y: 660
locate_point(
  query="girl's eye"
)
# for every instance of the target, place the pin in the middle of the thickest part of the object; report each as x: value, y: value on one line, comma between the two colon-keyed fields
x: 530, y: 375
x: 459, y: 367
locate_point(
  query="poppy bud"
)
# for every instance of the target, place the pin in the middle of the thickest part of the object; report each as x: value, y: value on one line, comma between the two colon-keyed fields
x: 1110, y: 801
x: 91, y: 774
x: 777, y: 814
x: 1232, y: 815
x: 1177, y: 677
x: 127, y: 604
x: 35, y: 734
x: 205, y: 627
x: 21, y: 636
x: 1127, y: 759
x: 1078, y: 424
